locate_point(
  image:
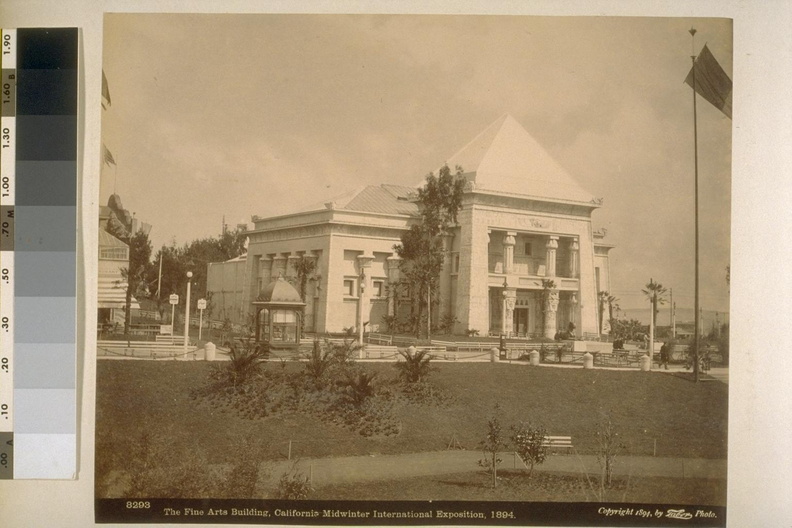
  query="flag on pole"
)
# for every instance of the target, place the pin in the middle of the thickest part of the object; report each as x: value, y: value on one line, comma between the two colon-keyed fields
x: 105, y: 90
x: 107, y: 156
x: 712, y: 83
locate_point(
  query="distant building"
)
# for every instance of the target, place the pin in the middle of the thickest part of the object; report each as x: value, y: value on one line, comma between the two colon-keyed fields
x: 523, y: 220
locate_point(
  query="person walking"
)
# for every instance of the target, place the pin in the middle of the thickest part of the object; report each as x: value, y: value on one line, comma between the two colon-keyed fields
x: 664, y: 355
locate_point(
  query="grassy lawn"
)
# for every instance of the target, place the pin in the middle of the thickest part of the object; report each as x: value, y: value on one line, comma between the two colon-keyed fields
x: 541, y: 487
x: 683, y: 418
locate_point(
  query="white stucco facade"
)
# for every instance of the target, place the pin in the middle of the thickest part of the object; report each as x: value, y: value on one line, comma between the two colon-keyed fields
x: 524, y: 222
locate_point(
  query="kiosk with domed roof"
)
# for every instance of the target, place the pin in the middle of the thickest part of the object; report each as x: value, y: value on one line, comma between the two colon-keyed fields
x: 279, y: 314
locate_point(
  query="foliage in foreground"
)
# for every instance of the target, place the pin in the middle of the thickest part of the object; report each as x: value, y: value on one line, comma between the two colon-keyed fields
x: 293, y: 485
x: 494, y: 442
x: 528, y: 442
x: 415, y: 366
x: 331, y: 388
x: 155, y: 471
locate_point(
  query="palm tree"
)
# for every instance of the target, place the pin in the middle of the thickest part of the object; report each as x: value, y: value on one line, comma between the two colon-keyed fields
x: 606, y: 299
x: 655, y: 292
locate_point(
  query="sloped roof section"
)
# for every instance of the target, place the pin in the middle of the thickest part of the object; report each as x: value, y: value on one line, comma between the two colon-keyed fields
x: 506, y: 158
x: 108, y: 240
x: 386, y: 199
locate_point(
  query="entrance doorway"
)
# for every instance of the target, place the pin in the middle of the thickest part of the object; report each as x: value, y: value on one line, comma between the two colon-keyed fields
x: 520, y: 325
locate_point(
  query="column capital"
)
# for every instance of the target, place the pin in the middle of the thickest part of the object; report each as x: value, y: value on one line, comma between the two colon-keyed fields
x: 509, y: 238
x: 364, y: 261
x: 552, y: 242
x: 574, y: 244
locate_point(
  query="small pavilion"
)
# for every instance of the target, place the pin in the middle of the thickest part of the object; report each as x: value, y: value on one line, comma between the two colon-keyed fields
x: 279, y: 315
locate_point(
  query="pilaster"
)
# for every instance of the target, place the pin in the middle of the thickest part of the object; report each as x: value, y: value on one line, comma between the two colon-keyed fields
x: 509, y: 241
x: 550, y: 259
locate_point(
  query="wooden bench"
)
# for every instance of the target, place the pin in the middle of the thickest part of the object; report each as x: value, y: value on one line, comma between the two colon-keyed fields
x: 557, y: 442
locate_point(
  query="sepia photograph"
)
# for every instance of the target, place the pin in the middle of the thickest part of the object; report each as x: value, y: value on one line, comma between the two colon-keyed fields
x: 413, y: 269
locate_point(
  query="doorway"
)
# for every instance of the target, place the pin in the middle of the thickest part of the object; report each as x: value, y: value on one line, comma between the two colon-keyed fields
x: 520, y: 324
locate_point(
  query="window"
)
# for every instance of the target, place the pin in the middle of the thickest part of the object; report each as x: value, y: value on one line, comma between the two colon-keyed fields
x: 349, y: 287
x: 114, y: 253
x: 528, y: 249
x: 377, y: 288
x: 455, y: 264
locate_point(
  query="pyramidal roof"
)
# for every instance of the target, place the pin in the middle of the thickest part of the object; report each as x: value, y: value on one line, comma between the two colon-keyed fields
x: 505, y: 158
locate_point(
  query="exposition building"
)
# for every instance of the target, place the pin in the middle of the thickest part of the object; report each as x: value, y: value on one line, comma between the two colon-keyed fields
x: 524, y: 221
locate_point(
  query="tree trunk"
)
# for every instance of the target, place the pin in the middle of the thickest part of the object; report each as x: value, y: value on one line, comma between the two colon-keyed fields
x: 128, y: 309
x: 494, y: 469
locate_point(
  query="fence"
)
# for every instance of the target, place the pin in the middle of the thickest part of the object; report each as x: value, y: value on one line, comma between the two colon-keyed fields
x: 146, y: 350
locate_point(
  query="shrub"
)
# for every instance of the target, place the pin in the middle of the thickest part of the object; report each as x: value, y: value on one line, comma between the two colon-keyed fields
x: 358, y: 386
x: 294, y: 485
x: 528, y: 440
x: 415, y: 366
x: 319, y: 361
x: 245, y: 363
x: 471, y: 332
x: 447, y: 323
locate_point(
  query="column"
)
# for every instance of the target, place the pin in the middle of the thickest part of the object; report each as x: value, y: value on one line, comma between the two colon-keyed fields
x: 445, y: 278
x: 265, y: 270
x: 574, y: 258
x: 309, y: 321
x: 278, y: 267
x: 472, y: 301
x: 393, y: 279
x: 507, y: 319
x: 508, y: 252
x: 550, y: 259
x: 364, y: 308
x: 573, y: 307
x: 551, y: 309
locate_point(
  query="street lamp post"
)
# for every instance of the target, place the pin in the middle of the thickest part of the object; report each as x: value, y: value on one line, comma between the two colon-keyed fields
x: 201, y: 308
x: 187, y: 313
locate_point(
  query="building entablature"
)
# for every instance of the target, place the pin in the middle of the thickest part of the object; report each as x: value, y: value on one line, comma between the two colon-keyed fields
x: 332, y: 216
x: 536, y: 205
x: 514, y: 281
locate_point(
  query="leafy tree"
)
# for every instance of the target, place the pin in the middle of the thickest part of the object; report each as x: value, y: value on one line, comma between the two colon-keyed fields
x: 134, y: 274
x: 626, y: 330
x: 304, y: 268
x: 609, y: 444
x: 193, y: 256
x: 494, y: 442
x: 421, y: 247
x: 528, y: 442
x: 415, y: 366
x: 655, y: 292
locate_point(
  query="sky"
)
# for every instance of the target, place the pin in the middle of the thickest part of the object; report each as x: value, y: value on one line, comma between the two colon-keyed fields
x: 230, y: 116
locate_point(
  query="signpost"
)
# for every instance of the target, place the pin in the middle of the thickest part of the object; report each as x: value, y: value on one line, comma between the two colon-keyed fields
x: 201, y: 308
x: 187, y: 313
x: 173, y: 300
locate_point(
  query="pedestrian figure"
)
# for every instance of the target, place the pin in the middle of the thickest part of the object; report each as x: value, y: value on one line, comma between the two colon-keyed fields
x: 664, y: 354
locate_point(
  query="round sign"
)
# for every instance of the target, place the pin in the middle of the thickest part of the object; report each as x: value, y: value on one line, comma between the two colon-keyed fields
x: 202, y: 304
x: 173, y: 299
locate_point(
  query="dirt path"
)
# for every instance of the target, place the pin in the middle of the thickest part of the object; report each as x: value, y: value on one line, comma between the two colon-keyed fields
x: 340, y: 470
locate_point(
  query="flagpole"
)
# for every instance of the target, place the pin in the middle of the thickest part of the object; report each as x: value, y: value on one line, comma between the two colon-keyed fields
x: 695, y: 162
